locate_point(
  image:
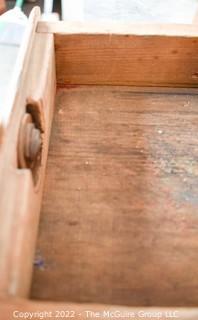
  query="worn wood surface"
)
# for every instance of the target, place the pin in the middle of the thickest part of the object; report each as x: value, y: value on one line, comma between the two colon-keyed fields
x: 119, y: 221
x: 20, y: 198
x: 10, y: 309
x: 125, y: 55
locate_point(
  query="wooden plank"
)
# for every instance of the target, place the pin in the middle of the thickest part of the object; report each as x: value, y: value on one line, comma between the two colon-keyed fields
x: 51, y: 310
x: 153, y: 55
x: 20, y: 198
x: 11, y: 181
x: 119, y: 221
x: 141, y: 29
x: 126, y: 60
x: 167, y: 90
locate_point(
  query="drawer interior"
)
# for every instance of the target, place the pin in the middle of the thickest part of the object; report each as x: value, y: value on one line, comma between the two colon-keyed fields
x: 119, y: 218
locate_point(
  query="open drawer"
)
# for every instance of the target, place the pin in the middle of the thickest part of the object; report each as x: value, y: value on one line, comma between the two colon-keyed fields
x: 109, y: 216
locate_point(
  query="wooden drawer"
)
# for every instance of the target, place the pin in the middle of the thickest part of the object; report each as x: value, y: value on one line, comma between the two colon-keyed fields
x: 117, y: 193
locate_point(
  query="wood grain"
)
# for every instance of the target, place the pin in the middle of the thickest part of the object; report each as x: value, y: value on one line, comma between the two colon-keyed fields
x: 20, y: 199
x: 124, y: 54
x: 119, y: 221
x: 52, y: 310
x: 148, y: 56
x: 126, y: 60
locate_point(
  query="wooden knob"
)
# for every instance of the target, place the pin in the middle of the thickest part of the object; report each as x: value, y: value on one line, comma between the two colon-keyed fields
x: 30, y: 142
